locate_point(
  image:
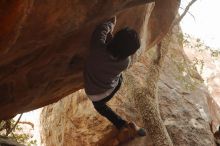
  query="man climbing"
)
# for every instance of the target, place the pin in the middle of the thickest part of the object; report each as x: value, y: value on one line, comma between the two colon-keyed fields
x: 108, y: 57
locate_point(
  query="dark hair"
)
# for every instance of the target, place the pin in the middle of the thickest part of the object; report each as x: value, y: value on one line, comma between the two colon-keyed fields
x: 125, y: 43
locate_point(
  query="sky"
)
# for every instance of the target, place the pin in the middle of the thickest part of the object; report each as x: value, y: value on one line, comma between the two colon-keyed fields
x: 205, y: 25
x: 206, y: 21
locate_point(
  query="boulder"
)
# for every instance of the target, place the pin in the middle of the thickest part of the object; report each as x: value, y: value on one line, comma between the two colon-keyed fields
x: 44, y: 43
x: 182, y: 103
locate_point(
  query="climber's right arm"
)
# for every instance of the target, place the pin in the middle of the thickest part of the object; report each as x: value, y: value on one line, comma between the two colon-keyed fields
x: 101, y: 32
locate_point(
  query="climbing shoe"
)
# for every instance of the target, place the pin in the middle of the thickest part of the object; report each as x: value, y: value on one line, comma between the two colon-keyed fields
x: 129, y: 132
x: 139, y: 131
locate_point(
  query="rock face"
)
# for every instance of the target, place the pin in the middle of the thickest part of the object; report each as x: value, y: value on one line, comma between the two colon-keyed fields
x: 44, y: 44
x: 183, y: 105
x: 9, y: 142
x: 208, y: 63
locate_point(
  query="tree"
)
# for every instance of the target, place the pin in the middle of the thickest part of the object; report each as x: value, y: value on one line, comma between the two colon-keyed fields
x: 146, y: 98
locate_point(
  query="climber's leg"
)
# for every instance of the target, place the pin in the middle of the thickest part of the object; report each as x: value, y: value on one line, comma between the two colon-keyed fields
x: 127, y: 130
x: 107, y: 112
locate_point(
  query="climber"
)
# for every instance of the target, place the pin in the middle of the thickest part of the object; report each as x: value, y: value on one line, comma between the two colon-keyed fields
x: 108, y: 57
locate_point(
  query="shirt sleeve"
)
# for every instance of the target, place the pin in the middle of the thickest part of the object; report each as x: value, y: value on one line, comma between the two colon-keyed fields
x: 100, y: 34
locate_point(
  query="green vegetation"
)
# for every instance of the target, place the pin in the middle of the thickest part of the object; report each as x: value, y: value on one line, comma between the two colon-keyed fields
x: 189, y: 71
x: 186, y: 75
x: 199, y: 45
x: 189, y: 76
x: 12, y: 129
x: 215, y: 53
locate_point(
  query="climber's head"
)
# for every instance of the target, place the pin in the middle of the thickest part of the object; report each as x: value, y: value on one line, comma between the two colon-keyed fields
x: 125, y: 43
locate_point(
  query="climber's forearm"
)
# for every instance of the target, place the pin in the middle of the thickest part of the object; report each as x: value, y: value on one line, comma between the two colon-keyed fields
x: 99, y: 35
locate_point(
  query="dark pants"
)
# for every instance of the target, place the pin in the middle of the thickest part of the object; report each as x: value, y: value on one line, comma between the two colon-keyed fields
x: 106, y: 111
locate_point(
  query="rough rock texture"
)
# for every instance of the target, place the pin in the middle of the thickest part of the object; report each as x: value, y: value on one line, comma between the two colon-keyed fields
x: 43, y: 44
x: 72, y: 121
x: 210, y: 72
x: 9, y: 142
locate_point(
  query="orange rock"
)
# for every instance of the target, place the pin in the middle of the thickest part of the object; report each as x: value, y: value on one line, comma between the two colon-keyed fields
x: 44, y: 44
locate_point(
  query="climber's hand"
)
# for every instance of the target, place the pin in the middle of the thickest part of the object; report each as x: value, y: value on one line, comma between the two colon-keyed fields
x: 113, y: 20
x: 113, y: 23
